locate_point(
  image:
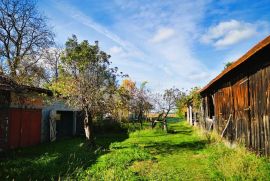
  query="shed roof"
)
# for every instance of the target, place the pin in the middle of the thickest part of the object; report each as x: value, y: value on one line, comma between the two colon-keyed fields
x: 238, y: 62
x: 8, y: 84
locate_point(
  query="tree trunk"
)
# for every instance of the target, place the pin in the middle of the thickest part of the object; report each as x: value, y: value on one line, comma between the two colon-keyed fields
x: 165, y: 128
x: 88, y: 128
x: 140, y: 117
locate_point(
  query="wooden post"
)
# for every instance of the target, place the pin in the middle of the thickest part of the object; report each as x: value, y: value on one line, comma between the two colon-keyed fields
x: 190, y: 116
x: 195, y: 119
x: 222, y: 134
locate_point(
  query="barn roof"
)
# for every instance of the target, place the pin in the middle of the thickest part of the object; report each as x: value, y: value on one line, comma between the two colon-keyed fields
x: 8, y: 84
x: 238, y: 62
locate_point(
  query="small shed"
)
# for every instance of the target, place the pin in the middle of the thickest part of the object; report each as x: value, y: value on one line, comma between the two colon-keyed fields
x: 59, y: 121
x: 20, y: 114
x: 237, y: 101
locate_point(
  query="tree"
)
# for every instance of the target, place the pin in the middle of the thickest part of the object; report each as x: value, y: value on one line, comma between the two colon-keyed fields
x: 134, y: 100
x: 228, y: 64
x: 123, y: 105
x: 166, y: 102
x: 194, y: 96
x: 141, y: 102
x: 36, y: 75
x: 52, y: 61
x: 86, y: 81
x: 23, y: 35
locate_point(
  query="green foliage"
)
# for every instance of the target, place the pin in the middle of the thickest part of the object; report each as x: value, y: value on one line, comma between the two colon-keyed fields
x: 192, y: 97
x: 227, y: 64
x: 135, y: 100
x: 195, y: 96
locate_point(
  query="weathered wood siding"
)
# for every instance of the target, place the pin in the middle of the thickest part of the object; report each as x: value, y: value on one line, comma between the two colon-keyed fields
x: 247, y: 99
x: 223, y: 108
x: 259, y: 88
x: 240, y: 111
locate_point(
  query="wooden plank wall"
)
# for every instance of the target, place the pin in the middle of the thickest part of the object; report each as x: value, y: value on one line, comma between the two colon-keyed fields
x: 241, y: 120
x: 247, y: 98
x: 259, y: 103
x: 223, y: 109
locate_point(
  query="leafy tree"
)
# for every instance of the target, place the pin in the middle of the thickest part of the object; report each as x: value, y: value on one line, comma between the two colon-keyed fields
x: 128, y: 85
x: 126, y: 93
x: 196, y: 97
x: 24, y: 35
x: 86, y: 81
x: 135, y: 100
x: 228, y: 64
x: 192, y: 96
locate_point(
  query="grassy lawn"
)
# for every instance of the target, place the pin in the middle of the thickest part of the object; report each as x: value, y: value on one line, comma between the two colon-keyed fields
x: 181, y: 154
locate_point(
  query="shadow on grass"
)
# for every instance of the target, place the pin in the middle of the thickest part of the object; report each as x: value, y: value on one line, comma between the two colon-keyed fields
x: 186, y: 132
x: 180, y: 129
x: 172, y: 144
x: 50, y: 161
x: 167, y: 148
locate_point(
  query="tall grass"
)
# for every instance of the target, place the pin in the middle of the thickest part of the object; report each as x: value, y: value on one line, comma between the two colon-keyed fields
x: 235, y: 163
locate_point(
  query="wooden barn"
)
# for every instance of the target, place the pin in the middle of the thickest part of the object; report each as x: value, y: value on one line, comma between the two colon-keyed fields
x: 20, y: 114
x: 237, y: 102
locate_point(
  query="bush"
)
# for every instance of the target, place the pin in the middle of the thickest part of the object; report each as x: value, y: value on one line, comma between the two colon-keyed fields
x: 109, y: 126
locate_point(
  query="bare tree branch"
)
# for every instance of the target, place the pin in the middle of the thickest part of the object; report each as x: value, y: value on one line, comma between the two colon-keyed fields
x: 23, y: 32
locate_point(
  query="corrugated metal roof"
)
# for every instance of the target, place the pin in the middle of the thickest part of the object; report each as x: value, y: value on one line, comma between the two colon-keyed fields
x: 240, y: 61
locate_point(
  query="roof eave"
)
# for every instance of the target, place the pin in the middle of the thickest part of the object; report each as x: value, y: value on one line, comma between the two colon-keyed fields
x: 237, y: 63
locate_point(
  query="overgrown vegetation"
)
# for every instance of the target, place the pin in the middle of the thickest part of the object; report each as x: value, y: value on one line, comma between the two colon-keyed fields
x: 149, y: 154
x: 192, y: 98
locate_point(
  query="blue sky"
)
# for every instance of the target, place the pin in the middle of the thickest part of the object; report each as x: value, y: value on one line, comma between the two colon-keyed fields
x: 179, y: 43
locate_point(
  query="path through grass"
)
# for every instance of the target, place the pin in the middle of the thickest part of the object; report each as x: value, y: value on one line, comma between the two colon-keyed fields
x: 180, y: 154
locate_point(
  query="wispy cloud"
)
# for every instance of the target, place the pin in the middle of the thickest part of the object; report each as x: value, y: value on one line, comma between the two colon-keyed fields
x: 79, y: 16
x: 162, y: 34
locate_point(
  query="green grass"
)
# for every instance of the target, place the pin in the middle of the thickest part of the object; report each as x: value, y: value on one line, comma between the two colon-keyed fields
x: 181, y: 154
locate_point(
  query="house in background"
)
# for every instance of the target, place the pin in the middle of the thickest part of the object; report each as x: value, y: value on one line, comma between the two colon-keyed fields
x: 237, y: 101
x: 20, y: 114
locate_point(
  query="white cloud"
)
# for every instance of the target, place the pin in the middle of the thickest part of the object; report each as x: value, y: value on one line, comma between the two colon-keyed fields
x: 115, y: 50
x: 162, y: 34
x: 230, y: 33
